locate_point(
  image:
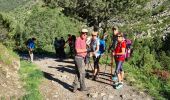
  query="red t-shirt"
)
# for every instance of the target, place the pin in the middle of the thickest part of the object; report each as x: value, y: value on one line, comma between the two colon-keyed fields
x: 118, y: 49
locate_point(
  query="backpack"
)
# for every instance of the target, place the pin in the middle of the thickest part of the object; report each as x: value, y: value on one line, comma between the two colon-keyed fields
x: 127, y: 55
x: 128, y: 48
x: 28, y: 41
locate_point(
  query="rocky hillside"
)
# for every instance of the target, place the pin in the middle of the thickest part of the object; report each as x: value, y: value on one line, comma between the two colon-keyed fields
x: 10, y: 86
x: 147, y: 20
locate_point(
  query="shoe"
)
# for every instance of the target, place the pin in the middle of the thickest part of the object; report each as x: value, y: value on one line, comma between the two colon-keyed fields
x: 114, y: 78
x: 74, y: 88
x: 85, y: 89
x: 115, y: 84
x: 120, y: 85
x: 87, y: 75
x: 94, y: 78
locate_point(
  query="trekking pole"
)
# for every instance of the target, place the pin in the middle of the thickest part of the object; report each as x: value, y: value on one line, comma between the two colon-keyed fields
x: 111, y: 69
x: 106, y: 64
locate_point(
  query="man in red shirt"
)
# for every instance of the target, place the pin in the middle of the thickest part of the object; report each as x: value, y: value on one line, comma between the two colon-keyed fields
x: 119, y: 54
x: 81, y: 51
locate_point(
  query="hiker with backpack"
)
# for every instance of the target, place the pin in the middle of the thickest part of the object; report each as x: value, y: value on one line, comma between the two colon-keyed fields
x: 81, y: 51
x: 73, y: 40
x: 31, y: 45
x: 119, y: 54
x: 61, y: 48
x: 56, y: 46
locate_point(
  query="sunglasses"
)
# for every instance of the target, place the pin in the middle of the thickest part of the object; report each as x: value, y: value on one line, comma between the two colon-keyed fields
x: 94, y: 35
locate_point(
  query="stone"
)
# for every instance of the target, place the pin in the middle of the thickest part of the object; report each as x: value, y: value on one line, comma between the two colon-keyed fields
x: 123, y: 96
x: 102, y: 94
x: 93, y: 95
x: 105, y: 98
x: 141, y: 93
x: 55, y: 96
x: 111, y: 96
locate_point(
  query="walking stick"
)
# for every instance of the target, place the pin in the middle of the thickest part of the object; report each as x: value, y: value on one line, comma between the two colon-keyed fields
x: 111, y: 69
x: 106, y: 64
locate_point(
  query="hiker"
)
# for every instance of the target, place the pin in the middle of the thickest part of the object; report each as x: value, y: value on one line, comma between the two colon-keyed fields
x: 73, y: 45
x: 69, y: 41
x: 56, y: 46
x: 111, y: 48
x: 31, y: 46
x: 119, y: 54
x: 61, y: 48
x: 94, y: 48
x: 81, y: 51
x: 114, y: 39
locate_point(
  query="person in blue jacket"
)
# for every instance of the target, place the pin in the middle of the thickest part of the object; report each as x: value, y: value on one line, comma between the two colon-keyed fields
x: 31, y: 47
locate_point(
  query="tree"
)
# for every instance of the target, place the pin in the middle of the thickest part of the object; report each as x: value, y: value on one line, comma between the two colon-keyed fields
x: 95, y: 11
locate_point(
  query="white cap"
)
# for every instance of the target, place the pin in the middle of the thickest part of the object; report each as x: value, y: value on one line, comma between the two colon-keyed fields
x: 84, y: 30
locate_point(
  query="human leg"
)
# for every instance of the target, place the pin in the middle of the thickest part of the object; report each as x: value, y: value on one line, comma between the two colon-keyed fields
x: 81, y: 69
x: 120, y: 74
x: 31, y: 55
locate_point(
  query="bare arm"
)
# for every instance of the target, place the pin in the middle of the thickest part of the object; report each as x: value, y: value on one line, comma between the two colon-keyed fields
x: 121, y: 53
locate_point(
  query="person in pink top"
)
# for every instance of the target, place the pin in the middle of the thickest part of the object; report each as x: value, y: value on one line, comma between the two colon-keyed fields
x: 81, y: 51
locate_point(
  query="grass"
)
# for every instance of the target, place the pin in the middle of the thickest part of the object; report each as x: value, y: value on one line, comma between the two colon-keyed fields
x: 31, y: 77
x: 148, y: 82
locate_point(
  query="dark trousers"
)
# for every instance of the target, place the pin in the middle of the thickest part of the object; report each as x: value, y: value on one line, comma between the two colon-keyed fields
x: 80, y: 73
x: 96, y: 62
x: 61, y: 52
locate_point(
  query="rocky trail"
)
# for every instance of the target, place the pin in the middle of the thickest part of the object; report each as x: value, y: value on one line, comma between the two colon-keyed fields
x: 59, y: 76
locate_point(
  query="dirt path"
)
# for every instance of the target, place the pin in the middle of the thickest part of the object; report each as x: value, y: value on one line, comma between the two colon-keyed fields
x: 59, y: 75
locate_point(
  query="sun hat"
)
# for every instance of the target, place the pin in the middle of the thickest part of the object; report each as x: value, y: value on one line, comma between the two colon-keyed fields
x: 84, y: 30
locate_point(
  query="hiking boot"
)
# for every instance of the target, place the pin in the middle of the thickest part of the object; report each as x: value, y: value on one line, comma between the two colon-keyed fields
x: 74, y: 88
x: 114, y: 78
x: 85, y: 89
x: 115, y: 83
x: 120, y: 85
x: 94, y: 78
x: 87, y: 75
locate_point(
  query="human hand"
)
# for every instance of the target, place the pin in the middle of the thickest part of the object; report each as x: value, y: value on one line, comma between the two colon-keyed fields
x: 113, y: 53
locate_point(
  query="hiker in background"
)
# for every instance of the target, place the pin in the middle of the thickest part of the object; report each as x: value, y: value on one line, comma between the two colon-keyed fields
x: 73, y: 45
x: 114, y: 39
x: 111, y: 48
x: 31, y: 46
x: 56, y: 46
x: 119, y: 54
x: 94, y: 48
x: 69, y: 41
x: 61, y: 48
x: 81, y: 51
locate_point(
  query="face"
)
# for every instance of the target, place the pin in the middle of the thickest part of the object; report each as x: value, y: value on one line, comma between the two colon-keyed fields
x: 94, y: 36
x: 83, y: 35
x: 120, y: 38
x: 115, y: 32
